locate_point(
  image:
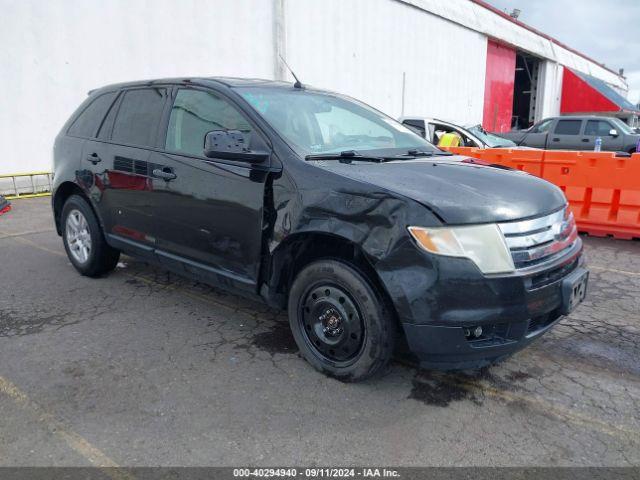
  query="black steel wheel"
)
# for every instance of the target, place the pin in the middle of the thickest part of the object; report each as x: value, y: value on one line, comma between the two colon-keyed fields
x: 341, y: 324
x: 331, y: 323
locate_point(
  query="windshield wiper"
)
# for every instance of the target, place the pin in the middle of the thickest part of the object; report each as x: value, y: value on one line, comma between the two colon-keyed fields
x: 345, y: 157
x: 422, y: 153
x: 349, y: 156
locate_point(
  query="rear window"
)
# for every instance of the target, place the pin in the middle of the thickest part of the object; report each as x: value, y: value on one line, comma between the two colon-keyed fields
x: 88, y: 122
x: 568, y: 127
x: 138, y: 116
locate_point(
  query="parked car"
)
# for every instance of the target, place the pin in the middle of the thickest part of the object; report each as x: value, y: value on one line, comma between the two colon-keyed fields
x: 472, y: 136
x: 368, y: 235
x: 577, y: 133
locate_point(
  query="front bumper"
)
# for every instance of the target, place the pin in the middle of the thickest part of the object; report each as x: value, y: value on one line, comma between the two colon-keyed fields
x: 444, y: 298
x: 447, y: 348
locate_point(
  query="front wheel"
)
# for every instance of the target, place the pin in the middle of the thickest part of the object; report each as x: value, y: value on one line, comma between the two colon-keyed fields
x: 83, y: 240
x: 341, y: 324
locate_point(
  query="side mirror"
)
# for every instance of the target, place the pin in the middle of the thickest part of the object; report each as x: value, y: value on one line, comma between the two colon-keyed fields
x: 613, y: 132
x: 231, y: 145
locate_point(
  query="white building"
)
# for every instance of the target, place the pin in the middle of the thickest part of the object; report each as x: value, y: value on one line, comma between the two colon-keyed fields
x: 457, y: 59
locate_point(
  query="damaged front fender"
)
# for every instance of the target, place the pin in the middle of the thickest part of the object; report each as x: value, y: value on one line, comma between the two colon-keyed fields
x: 341, y: 217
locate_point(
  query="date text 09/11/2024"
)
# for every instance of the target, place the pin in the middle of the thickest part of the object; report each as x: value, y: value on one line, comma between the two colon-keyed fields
x: 317, y: 472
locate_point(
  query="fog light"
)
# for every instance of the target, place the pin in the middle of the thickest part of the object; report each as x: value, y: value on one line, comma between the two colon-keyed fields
x: 473, y: 332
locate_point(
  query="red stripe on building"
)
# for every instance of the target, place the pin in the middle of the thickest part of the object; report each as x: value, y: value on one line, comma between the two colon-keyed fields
x: 498, y: 87
x: 579, y: 97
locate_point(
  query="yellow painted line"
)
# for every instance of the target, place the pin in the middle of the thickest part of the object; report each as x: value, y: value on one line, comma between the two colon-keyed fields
x: 27, y: 195
x: 58, y: 428
x: 613, y: 270
x: 617, y: 431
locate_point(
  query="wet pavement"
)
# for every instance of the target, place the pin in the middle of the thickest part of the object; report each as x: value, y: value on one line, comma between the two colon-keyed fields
x: 143, y: 367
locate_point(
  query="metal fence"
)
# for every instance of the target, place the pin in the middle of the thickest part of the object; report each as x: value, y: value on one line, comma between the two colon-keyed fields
x: 26, y: 185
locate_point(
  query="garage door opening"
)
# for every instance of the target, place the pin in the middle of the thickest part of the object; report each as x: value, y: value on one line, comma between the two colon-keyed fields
x: 525, y: 88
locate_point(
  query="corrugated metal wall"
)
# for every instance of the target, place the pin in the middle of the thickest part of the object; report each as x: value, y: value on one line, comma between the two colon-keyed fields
x: 55, y: 51
x: 549, y: 90
x: 480, y: 19
x: 362, y: 48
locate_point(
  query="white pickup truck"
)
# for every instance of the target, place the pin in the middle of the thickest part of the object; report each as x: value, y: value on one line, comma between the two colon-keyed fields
x: 475, y: 136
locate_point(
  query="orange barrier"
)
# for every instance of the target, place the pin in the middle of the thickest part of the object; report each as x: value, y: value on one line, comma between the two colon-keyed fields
x: 603, y: 190
x: 460, y: 150
x: 528, y: 160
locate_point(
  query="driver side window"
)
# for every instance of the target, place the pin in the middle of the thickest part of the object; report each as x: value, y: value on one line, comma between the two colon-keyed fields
x: 196, y: 112
x: 440, y: 130
x: 542, y: 127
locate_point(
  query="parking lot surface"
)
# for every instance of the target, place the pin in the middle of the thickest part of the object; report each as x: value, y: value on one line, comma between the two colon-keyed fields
x: 143, y: 367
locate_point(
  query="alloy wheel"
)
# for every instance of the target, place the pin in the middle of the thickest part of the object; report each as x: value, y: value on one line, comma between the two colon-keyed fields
x: 78, y: 236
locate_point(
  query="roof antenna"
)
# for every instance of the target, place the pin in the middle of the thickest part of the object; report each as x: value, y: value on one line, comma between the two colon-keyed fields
x: 298, y: 83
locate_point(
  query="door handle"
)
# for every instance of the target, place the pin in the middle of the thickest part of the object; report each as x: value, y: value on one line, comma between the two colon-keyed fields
x: 94, y: 158
x: 165, y: 173
x: 585, y: 139
x: 556, y: 139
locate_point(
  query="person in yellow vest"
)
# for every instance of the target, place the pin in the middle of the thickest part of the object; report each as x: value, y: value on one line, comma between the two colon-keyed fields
x: 450, y: 139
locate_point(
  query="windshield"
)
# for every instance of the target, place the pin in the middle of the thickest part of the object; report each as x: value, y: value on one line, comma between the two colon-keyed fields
x: 620, y: 125
x: 322, y: 123
x: 489, y: 139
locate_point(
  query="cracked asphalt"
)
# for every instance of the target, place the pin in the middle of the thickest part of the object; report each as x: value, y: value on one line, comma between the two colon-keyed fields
x: 143, y: 367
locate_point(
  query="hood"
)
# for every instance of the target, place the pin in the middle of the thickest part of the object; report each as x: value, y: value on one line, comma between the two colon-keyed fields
x: 490, y: 139
x: 459, y: 192
x: 515, y: 136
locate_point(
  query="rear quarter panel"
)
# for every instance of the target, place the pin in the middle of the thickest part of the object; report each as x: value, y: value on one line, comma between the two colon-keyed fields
x: 67, y: 152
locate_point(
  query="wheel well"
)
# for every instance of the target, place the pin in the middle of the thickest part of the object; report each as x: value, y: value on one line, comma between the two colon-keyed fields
x: 302, y: 249
x: 63, y: 192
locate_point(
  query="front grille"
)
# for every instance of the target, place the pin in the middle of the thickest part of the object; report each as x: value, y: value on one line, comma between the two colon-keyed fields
x: 541, y: 239
x: 549, y: 276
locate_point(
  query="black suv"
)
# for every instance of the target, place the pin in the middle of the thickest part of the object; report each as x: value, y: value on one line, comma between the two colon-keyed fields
x: 370, y: 236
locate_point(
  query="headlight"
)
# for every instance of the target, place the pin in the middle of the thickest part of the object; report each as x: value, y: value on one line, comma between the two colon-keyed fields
x: 484, y: 244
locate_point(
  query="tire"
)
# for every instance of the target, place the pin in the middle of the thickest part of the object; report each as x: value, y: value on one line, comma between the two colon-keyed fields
x: 342, y: 325
x: 80, y: 228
